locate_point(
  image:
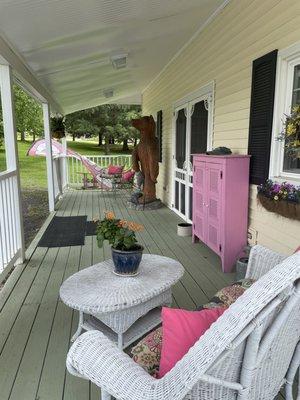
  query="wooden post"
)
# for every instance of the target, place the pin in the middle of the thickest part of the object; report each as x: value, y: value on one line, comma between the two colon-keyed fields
x: 50, y: 174
x: 11, y: 150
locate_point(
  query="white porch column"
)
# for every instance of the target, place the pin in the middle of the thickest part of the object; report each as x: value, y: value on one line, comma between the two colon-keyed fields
x: 11, y: 150
x: 65, y: 176
x: 50, y: 175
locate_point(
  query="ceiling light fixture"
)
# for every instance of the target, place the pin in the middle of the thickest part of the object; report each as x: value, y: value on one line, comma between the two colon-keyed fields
x: 119, y: 61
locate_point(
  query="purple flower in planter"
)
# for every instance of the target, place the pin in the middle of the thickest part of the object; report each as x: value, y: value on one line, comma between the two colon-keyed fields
x: 280, y: 192
x: 276, y: 188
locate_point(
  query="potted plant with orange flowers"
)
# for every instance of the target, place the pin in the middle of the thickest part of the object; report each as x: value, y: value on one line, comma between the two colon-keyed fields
x: 121, y: 235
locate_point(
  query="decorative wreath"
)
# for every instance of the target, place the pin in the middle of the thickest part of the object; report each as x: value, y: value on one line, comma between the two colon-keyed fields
x: 291, y: 133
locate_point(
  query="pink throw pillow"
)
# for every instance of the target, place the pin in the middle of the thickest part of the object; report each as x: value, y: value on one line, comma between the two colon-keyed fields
x: 127, y: 176
x: 115, y: 169
x: 181, y: 330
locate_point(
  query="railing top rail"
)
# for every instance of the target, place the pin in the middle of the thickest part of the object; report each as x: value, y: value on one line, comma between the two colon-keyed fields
x: 7, y: 174
x: 107, y: 155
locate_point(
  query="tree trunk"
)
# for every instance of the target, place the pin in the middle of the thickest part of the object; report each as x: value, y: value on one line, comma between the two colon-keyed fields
x: 99, y: 139
x: 73, y: 137
x: 125, y: 145
x: 106, y: 147
x: 22, y: 136
x: 135, y: 141
x: 33, y: 136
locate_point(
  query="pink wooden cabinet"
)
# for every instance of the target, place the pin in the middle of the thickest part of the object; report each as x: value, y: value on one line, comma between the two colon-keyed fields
x: 220, y: 204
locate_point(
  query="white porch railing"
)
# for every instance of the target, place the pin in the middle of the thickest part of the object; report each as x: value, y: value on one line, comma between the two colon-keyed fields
x: 10, y: 243
x: 75, y: 167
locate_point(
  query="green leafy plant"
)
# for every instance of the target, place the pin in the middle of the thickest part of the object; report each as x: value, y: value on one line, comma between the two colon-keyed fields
x: 291, y: 133
x: 57, y: 127
x: 119, y: 233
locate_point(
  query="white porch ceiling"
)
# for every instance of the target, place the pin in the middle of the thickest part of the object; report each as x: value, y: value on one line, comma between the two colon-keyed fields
x: 67, y: 44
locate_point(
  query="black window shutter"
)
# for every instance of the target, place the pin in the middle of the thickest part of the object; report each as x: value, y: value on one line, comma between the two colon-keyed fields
x: 261, y: 116
x: 159, y: 133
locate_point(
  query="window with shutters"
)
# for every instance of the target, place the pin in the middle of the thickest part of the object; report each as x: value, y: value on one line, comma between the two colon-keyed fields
x: 287, y: 94
x: 261, y: 116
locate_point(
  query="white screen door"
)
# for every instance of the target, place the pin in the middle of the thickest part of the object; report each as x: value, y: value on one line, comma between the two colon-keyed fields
x: 192, y: 123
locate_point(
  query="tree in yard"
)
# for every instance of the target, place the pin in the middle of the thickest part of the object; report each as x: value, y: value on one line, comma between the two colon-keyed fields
x: 78, y: 124
x: 29, y: 115
x: 114, y: 121
x: 109, y: 122
x: 129, y: 133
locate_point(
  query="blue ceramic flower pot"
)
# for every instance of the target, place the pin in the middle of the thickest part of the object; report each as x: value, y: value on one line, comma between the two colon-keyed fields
x: 127, y: 262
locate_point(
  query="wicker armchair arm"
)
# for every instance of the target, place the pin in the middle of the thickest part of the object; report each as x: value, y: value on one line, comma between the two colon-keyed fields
x: 261, y: 261
x: 95, y: 357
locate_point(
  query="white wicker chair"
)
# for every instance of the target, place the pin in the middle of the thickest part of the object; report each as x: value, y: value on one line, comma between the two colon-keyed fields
x: 246, y: 354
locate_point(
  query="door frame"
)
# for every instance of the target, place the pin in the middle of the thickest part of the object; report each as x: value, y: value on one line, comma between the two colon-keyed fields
x: 204, y: 93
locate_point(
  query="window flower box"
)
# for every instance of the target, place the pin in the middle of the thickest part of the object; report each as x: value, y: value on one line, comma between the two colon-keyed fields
x: 282, y: 199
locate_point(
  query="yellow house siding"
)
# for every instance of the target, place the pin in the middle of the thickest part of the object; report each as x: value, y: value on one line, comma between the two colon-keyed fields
x: 223, y: 52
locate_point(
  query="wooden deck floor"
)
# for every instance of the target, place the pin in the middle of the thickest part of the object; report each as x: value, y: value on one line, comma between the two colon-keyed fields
x: 35, y: 327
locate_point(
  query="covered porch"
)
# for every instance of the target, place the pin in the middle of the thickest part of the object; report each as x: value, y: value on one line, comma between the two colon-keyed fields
x: 71, y: 66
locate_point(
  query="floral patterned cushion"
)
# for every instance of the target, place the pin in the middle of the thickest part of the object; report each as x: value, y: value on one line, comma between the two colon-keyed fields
x: 147, y: 352
x: 229, y: 294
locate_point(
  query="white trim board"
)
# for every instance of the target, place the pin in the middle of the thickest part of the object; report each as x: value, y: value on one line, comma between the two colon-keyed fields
x: 197, y: 33
x: 203, y: 91
x: 8, y: 56
x: 286, y: 59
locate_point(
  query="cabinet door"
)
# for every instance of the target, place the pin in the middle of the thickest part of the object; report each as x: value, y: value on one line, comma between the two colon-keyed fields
x: 213, y: 205
x: 199, y: 209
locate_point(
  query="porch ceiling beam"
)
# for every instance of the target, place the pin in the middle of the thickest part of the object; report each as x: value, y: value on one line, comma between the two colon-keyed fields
x: 25, y: 76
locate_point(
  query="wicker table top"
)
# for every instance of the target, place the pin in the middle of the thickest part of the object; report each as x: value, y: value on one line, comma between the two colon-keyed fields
x: 97, y: 290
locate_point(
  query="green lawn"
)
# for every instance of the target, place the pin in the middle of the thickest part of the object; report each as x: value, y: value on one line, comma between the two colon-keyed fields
x: 33, y: 169
x: 89, y: 147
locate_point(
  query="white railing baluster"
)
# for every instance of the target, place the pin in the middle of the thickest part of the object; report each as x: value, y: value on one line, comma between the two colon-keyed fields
x: 10, y: 242
x: 2, y: 263
x: 72, y: 168
x: 75, y: 166
x: 3, y: 224
x: 9, y: 218
x: 14, y: 221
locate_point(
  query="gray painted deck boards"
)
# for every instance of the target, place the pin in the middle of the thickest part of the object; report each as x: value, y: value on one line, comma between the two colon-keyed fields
x: 35, y: 327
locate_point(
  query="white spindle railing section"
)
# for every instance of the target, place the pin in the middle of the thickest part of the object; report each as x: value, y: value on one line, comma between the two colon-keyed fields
x: 10, y: 245
x: 76, y: 167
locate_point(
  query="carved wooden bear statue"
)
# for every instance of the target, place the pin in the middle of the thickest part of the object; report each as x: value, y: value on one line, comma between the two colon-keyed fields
x: 145, y: 156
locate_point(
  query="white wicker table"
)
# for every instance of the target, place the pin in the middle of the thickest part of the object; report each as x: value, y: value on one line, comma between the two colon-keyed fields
x: 123, y: 308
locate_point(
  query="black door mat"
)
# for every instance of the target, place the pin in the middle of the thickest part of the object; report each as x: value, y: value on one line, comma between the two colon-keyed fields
x: 91, y: 227
x: 64, y: 231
